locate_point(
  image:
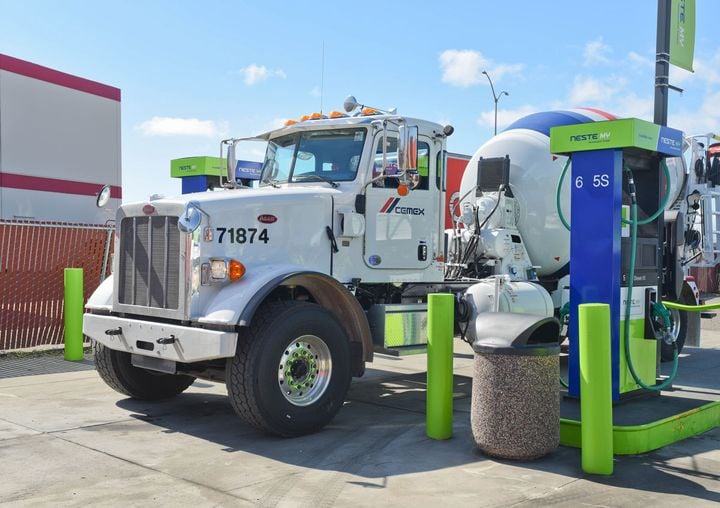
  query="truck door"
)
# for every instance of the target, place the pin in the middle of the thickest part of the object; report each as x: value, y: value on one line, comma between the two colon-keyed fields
x: 402, y: 231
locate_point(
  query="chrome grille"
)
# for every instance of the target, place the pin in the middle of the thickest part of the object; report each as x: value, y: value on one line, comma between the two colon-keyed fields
x: 149, y: 263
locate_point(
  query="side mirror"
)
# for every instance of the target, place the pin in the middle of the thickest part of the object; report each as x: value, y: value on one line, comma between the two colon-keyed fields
x: 350, y: 104
x: 407, y: 148
x: 410, y: 179
x: 103, y: 196
x: 231, y: 162
x: 190, y: 219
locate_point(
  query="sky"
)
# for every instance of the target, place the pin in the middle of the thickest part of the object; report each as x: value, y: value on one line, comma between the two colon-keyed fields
x: 193, y: 73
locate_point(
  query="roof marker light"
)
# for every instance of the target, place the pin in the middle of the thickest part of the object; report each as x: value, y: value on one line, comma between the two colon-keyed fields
x: 369, y: 111
x: 317, y: 116
x: 337, y: 114
x: 290, y: 122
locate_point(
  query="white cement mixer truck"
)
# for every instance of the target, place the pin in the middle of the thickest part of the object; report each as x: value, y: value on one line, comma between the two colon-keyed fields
x: 285, y: 291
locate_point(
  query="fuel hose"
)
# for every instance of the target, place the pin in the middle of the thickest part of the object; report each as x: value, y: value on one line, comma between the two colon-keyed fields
x: 633, y: 222
x: 631, y: 276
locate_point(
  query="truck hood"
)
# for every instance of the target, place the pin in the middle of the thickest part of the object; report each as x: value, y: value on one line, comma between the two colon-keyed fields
x: 218, y: 201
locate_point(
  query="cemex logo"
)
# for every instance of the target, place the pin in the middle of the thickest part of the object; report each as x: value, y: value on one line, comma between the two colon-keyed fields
x: 391, y: 206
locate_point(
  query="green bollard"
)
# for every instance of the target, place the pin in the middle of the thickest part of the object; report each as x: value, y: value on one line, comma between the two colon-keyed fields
x: 73, y: 314
x: 595, y: 388
x: 440, y: 366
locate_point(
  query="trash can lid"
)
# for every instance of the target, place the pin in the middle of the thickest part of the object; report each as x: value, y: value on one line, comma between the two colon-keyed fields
x: 507, y: 333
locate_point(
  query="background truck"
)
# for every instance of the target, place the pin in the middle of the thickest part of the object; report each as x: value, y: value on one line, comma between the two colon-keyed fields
x: 284, y: 291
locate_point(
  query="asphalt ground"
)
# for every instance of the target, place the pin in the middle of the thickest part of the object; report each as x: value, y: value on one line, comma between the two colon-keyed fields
x: 66, y: 439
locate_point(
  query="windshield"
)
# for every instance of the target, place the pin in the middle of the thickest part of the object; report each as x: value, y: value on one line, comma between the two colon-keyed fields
x: 332, y: 155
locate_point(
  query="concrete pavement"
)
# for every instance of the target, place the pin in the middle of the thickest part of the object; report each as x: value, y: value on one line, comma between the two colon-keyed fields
x: 66, y: 439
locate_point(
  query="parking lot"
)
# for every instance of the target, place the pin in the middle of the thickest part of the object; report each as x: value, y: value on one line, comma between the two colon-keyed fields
x: 68, y: 439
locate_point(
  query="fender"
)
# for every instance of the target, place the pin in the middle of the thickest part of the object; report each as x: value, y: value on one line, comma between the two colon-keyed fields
x: 689, y: 295
x: 102, y: 297
x: 237, y: 303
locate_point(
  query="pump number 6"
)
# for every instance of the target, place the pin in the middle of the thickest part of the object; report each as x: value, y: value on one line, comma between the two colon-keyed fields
x: 579, y: 182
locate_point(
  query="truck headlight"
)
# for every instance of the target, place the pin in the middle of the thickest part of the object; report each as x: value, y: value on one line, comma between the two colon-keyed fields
x: 218, y: 269
x: 221, y: 270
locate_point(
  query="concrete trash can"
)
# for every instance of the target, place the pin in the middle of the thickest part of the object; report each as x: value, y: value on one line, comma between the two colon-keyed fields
x: 515, y: 412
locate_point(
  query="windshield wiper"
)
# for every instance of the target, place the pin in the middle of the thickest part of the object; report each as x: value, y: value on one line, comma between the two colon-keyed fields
x: 272, y: 183
x: 318, y: 177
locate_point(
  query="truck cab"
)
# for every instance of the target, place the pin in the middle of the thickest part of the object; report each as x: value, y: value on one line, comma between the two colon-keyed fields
x: 385, y: 223
x: 261, y: 288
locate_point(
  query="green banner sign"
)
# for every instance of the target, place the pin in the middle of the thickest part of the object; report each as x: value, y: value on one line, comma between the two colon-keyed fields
x: 682, y: 33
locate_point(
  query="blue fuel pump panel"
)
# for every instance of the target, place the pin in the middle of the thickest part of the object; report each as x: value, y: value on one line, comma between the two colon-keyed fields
x: 596, y: 199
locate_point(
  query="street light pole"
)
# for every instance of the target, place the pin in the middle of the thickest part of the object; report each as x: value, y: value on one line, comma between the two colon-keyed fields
x: 496, y: 98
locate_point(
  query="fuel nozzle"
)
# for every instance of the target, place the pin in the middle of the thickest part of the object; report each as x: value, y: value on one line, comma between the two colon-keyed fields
x: 658, y: 322
x: 632, y: 189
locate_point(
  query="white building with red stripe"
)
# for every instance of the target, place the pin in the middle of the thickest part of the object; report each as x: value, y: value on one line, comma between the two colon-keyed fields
x: 59, y: 144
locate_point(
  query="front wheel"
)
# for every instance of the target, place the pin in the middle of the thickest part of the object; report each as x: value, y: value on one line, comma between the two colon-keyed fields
x: 118, y: 372
x: 291, y: 371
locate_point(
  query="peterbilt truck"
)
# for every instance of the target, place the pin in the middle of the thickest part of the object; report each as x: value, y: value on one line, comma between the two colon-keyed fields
x: 286, y: 290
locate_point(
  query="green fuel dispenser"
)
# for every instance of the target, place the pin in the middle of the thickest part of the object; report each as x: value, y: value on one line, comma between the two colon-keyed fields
x: 617, y: 183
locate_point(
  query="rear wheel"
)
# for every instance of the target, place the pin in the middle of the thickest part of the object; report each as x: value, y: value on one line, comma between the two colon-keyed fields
x: 291, y: 371
x: 116, y: 369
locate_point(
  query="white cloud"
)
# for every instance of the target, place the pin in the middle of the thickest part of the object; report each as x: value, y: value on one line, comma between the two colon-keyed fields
x: 596, y: 52
x: 498, y: 71
x: 680, y: 76
x: 505, y: 116
x: 315, y: 92
x: 587, y: 90
x: 169, y: 126
x: 636, y: 60
x: 276, y: 123
x: 254, y: 74
x: 706, y: 71
x: 463, y: 68
x: 632, y: 106
x: 705, y: 119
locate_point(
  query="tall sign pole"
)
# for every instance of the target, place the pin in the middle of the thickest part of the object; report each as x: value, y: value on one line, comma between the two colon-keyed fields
x: 662, y: 62
x: 675, y: 45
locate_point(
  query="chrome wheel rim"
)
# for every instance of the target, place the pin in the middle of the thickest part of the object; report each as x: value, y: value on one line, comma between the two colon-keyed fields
x: 304, y: 370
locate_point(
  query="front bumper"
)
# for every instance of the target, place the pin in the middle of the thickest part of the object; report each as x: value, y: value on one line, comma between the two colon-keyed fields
x: 177, y: 343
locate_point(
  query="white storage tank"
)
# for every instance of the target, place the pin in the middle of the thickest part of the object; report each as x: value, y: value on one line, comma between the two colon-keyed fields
x: 534, y: 175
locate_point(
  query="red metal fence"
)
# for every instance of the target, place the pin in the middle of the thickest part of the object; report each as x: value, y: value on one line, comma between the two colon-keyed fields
x: 33, y: 256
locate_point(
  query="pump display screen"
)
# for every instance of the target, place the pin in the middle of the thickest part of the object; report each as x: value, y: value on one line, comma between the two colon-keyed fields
x: 492, y: 173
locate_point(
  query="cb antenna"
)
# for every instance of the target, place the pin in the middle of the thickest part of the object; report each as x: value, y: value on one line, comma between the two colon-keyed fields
x: 322, y: 76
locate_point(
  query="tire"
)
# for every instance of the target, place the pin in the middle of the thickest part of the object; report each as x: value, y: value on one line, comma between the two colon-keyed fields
x: 122, y: 376
x: 679, y: 322
x: 297, y: 396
